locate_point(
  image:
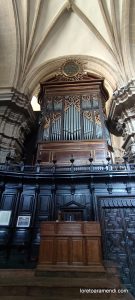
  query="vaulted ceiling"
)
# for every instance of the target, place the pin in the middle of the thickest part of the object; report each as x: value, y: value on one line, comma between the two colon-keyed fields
x: 36, y: 36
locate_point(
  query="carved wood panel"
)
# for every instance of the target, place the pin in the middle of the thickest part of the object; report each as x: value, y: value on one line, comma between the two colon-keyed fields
x: 26, y: 203
x: 117, y: 218
x: 76, y: 205
x: 8, y: 201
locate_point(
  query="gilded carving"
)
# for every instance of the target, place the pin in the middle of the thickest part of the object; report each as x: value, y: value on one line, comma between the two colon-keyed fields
x: 55, y: 117
x: 72, y: 100
x: 97, y: 118
x: 47, y: 122
x: 88, y: 115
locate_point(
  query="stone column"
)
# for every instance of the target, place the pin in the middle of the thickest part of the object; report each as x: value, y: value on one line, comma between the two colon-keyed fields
x: 122, y: 117
x: 16, y: 121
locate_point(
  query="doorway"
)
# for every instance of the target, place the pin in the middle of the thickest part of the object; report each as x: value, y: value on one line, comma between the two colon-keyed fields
x: 72, y: 215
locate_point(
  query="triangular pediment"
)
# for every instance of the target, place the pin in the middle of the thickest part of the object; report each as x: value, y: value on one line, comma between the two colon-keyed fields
x: 83, y: 77
x: 72, y: 204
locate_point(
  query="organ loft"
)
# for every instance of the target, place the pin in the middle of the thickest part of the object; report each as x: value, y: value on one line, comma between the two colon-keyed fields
x: 73, y: 120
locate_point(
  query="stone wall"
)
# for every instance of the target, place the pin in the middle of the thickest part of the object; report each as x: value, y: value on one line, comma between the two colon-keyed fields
x: 16, y: 121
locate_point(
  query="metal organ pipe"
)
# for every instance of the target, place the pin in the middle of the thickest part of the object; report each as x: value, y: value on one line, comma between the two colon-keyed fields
x: 56, y: 122
x: 72, y: 124
x: 64, y: 126
x: 69, y: 123
x: 54, y: 132
x: 85, y: 132
x: 88, y: 129
x: 79, y: 126
x: 59, y: 129
x: 76, y: 125
x: 92, y: 128
x: 74, y: 115
x: 57, y: 126
x: 66, y: 122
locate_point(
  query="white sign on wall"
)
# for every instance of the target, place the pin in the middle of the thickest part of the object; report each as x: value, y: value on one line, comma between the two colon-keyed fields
x: 23, y: 221
x: 5, y: 217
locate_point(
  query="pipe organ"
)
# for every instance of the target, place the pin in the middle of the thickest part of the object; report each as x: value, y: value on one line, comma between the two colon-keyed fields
x: 72, y: 118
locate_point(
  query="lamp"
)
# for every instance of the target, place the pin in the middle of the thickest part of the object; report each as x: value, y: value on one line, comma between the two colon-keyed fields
x: 90, y: 158
x: 108, y: 158
x: 54, y: 160
x: 39, y: 161
x: 72, y: 159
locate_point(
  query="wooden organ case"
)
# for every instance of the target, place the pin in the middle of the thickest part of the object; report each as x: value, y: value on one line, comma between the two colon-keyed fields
x: 72, y: 122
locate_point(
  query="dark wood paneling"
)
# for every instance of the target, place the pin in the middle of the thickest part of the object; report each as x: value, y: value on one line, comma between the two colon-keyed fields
x: 42, y: 195
x: 26, y: 203
x: 117, y: 217
x: 43, y: 204
x: 62, y: 151
x: 8, y: 201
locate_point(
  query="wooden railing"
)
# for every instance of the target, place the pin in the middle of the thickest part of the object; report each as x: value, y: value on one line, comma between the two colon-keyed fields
x: 67, y: 169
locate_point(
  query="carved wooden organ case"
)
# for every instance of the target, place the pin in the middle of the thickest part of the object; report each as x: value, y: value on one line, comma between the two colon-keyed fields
x: 72, y: 122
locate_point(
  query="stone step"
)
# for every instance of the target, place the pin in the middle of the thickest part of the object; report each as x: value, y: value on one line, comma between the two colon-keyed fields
x: 24, y: 285
x: 58, y: 297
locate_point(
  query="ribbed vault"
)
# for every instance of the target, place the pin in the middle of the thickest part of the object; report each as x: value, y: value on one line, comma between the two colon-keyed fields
x: 37, y: 36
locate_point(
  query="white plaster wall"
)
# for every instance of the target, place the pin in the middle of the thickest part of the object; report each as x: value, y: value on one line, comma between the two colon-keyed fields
x: 7, y: 43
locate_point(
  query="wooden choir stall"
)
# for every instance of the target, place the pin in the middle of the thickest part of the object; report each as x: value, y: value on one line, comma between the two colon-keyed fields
x: 70, y: 246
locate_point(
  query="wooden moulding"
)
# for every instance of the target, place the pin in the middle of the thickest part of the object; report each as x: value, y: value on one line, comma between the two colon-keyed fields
x: 62, y: 151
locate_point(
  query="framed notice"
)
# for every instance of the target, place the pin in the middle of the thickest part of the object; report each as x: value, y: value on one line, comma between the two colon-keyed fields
x: 23, y: 221
x: 5, y: 216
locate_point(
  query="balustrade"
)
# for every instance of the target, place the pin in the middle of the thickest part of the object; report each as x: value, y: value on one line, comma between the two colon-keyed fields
x: 73, y: 168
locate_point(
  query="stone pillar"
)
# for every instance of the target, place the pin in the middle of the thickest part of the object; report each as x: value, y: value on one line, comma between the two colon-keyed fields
x: 16, y: 121
x: 122, y: 118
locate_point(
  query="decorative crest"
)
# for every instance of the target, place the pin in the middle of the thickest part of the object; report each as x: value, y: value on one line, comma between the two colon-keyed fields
x: 71, y: 69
